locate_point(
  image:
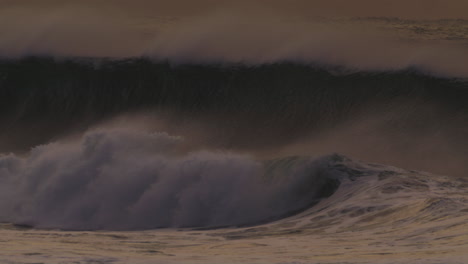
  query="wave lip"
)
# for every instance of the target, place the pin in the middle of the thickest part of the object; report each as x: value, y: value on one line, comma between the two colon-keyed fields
x: 121, y: 179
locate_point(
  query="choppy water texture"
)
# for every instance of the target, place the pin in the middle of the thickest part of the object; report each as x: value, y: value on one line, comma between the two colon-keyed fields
x: 379, y: 214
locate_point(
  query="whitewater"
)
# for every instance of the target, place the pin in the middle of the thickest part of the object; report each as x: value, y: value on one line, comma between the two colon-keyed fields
x: 187, y: 140
x: 379, y: 214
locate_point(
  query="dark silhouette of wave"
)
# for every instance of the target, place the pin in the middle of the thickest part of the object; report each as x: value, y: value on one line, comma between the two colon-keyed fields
x: 53, y: 95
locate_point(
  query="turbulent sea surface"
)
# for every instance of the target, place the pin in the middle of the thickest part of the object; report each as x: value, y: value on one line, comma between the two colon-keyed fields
x: 185, y: 154
x: 379, y: 214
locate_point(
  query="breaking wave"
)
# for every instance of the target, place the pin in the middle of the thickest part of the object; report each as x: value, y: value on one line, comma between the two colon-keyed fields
x: 363, y: 114
x: 124, y: 179
x: 65, y: 173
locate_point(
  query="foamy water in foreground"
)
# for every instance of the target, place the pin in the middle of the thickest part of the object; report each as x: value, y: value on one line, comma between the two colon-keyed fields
x: 379, y: 214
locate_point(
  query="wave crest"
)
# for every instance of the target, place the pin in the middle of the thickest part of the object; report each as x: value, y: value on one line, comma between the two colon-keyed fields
x: 124, y: 179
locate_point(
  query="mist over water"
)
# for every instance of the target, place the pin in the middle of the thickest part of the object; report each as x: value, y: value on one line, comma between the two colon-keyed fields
x: 129, y: 121
x: 235, y: 35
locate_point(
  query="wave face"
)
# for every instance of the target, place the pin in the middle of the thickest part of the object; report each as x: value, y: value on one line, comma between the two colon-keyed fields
x: 66, y: 91
x: 122, y: 179
x: 375, y: 116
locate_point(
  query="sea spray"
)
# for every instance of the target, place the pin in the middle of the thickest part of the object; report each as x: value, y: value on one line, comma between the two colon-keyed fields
x: 123, y: 179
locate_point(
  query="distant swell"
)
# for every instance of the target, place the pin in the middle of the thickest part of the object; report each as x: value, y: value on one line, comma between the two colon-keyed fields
x: 126, y: 180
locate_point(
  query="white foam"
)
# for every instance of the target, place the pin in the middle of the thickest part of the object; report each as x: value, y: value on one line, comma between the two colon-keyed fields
x: 126, y: 179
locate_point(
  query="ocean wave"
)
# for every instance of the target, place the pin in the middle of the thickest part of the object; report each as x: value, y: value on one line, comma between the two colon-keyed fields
x: 130, y: 180
x: 375, y: 116
x: 76, y: 87
x: 253, y: 38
